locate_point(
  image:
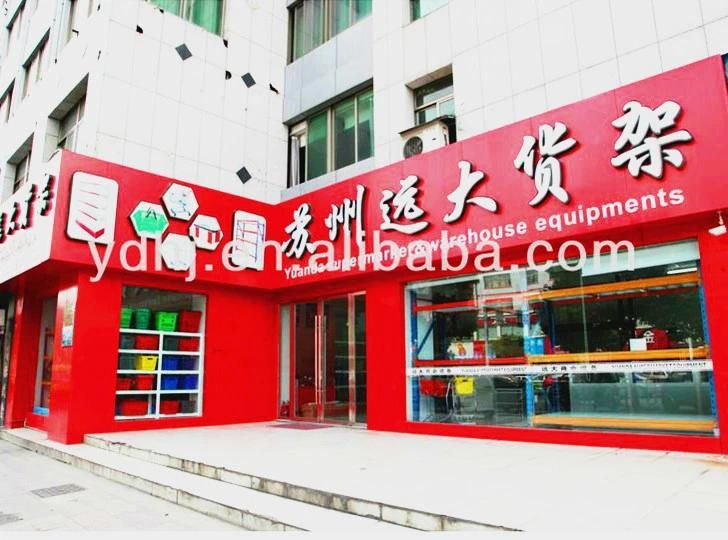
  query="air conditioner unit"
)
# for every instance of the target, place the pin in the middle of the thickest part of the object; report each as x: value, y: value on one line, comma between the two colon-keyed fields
x: 424, y: 138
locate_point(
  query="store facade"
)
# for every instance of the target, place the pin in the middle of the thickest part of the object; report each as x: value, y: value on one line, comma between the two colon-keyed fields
x: 625, y: 350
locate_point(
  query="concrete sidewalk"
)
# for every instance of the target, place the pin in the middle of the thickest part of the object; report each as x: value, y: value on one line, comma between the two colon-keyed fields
x: 99, y: 505
x: 531, y: 487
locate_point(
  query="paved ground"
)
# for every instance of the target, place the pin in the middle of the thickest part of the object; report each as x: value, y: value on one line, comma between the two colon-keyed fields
x: 532, y: 487
x: 102, y: 505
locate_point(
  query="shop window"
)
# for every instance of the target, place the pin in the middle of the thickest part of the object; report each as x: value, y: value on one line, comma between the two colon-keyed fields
x: 70, y: 125
x: 6, y: 104
x: 45, y: 357
x: 333, y: 139
x: 420, y: 8
x: 205, y: 13
x: 312, y: 22
x: 161, y: 354
x: 603, y: 348
x: 35, y: 67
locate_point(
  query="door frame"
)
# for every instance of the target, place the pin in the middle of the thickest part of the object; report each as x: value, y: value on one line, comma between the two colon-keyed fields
x: 319, y: 332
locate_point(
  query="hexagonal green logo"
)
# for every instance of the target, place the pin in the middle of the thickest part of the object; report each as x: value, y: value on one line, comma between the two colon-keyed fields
x: 149, y: 220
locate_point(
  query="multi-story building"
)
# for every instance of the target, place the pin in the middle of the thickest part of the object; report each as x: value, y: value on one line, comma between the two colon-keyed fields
x: 181, y: 88
x: 307, y: 118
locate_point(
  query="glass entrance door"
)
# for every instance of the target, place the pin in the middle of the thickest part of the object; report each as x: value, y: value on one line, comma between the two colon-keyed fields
x: 329, y: 360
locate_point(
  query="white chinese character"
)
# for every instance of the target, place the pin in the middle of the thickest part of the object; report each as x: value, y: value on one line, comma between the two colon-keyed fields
x: 647, y: 153
x: 405, y: 203
x: 298, y: 243
x: 459, y: 197
x: 547, y: 173
x: 344, y: 214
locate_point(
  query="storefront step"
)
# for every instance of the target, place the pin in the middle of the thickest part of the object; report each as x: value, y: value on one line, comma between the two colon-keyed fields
x: 396, y: 515
x: 247, y: 508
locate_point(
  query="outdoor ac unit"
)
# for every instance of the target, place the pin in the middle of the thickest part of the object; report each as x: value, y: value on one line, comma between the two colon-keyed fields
x: 424, y: 138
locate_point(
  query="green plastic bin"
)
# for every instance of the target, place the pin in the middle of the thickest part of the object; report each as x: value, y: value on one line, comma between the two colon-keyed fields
x: 165, y: 321
x: 142, y: 318
x: 126, y: 317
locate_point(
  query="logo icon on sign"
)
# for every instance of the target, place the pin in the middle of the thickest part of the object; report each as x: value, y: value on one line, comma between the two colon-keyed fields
x: 92, y: 210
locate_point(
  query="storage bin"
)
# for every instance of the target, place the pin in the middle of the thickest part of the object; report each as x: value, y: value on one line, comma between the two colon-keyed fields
x: 433, y: 387
x: 127, y: 361
x: 464, y: 386
x: 145, y: 362
x: 170, y: 382
x: 171, y: 343
x: 187, y: 363
x: 170, y: 363
x: 133, y: 407
x: 188, y: 382
x: 165, y: 321
x: 142, y: 318
x: 189, y: 321
x: 127, y: 341
x: 189, y: 344
x: 144, y: 382
x: 125, y: 317
x: 123, y: 383
x: 188, y: 407
x: 169, y: 407
x: 147, y: 343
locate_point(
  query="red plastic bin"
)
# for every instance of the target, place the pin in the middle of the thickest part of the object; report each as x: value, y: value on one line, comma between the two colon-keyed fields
x: 189, y: 344
x: 123, y: 383
x: 133, y: 407
x: 143, y: 382
x: 147, y: 343
x: 169, y: 407
x: 189, y: 321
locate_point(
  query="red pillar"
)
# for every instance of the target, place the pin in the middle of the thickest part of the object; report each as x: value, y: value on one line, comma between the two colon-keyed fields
x: 714, y: 265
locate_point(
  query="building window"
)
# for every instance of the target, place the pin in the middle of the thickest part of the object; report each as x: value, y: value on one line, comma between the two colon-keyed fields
x: 6, y: 104
x: 205, y: 13
x: 420, y: 8
x: 316, y: 21
x: 619, y: 345
x: 70, y: 125
x: 334, y: 138
x: 161, y: 354
x: 14, y: 26
x: 434, y: 100
x: 22, y: 172
x: 35, y: 67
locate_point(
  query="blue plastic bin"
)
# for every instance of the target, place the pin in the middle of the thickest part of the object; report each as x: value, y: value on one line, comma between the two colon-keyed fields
x: 189, y: 382
x: 170, y: 382
x: 170, y: 363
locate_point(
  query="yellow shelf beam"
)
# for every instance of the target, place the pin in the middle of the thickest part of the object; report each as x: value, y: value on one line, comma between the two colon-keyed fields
x: 620, y: 356
x: 661, y: 424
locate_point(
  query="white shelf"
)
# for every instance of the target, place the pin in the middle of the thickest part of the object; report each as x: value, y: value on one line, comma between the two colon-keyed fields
x: 155, y: 416
x: 147, y: 392
x: 159, y: 333
x: 155, y: 372
x: 156, y: 352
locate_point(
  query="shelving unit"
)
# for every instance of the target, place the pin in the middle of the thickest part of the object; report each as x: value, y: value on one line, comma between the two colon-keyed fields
x: 154, y: 395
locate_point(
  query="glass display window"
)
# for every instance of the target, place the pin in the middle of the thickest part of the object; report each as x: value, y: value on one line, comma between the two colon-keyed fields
x: 617, y: 345
x: 161, y: 354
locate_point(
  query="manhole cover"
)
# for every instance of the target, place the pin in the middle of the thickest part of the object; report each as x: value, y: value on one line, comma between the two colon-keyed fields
x: 57, y: 490
x: 9, y: 518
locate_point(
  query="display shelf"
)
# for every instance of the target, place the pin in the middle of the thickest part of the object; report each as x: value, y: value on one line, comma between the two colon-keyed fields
x: 147, y: 392
x: 585, y: 420
x: 160, y: 333
x: 155, y: 372
x: 471, y: 362
x: 620, y: 356
x: 157, y: 352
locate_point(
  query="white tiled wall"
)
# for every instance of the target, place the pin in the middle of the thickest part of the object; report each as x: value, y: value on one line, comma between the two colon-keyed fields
x: 516, y: 58
x: 148, y: 109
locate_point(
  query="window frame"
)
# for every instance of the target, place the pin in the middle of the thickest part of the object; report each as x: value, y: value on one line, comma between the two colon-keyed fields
x: 186, y: 14
x: 79, y: 110
x: 328, y: 32
x: 7, y: 97
x: 437, y: 103
x: 301, y: 129
x: 20, y: 182
x: 421, y: 16
x: 34, y: 66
